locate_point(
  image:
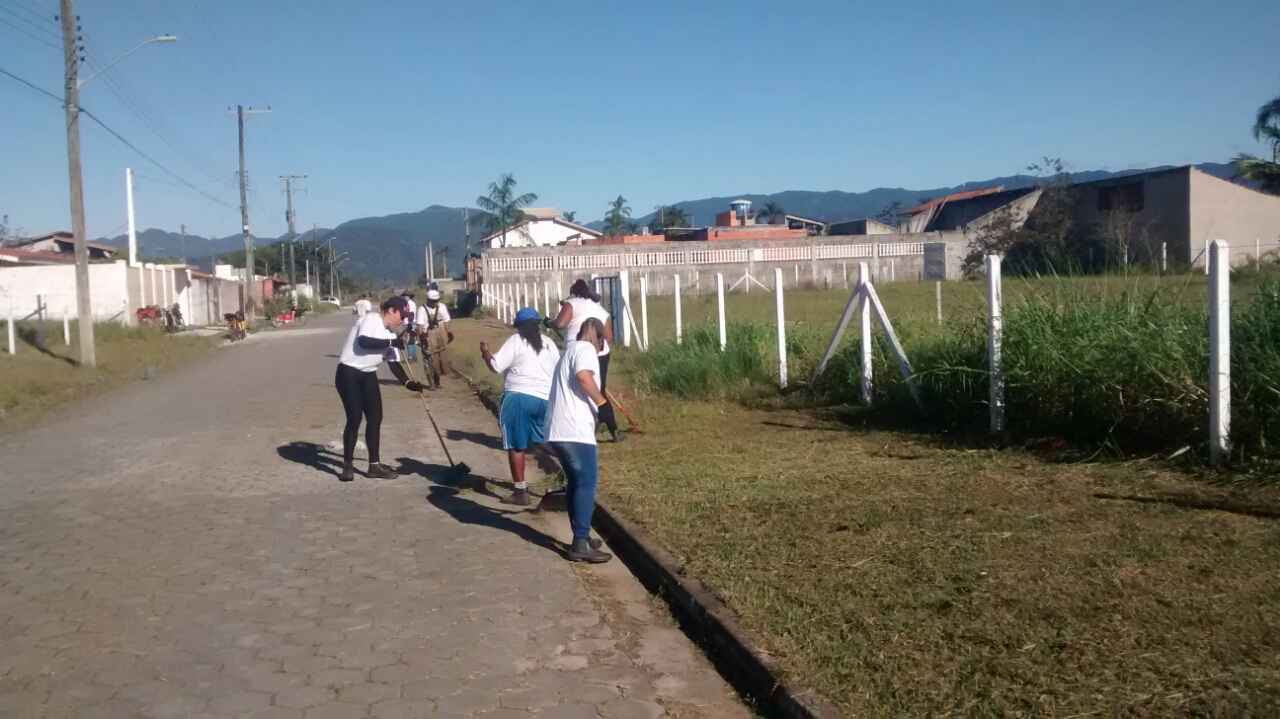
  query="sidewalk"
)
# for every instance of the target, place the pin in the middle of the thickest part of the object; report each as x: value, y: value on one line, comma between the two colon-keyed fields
x: 182, y: 548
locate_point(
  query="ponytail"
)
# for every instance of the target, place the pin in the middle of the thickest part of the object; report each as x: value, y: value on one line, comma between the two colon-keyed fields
x: 531, y: 332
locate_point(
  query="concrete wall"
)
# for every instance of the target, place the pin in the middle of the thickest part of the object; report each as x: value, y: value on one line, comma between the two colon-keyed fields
x: 814, y: 262
x: 1221, y: 210
x: 108, y: 285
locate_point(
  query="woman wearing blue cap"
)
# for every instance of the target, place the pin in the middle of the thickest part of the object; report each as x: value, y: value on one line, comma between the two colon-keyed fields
x: 526, y: 362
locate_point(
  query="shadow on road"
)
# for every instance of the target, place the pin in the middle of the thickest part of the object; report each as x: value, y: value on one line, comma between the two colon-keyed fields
x: 449, y: 500
x: 480, y: 438
x: 312, y: 455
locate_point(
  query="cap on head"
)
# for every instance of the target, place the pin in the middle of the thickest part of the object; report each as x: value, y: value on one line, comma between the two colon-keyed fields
x: 433, y: 294
x: 526, y: 314
x: 407, y: 293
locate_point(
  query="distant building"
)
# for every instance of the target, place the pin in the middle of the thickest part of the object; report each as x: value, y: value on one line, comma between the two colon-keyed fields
x: 1186, y: 209
x: 542, y: 227
x: 63, y: 243
x: 737, y: 223
x: 14, y: 257
x: 864, y: 226
x: 918, y: 218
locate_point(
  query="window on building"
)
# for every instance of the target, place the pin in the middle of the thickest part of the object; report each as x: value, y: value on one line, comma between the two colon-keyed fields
x: 1127, y: 197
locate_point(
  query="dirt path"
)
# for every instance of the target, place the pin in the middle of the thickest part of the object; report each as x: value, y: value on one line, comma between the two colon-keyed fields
x: 182, y: 548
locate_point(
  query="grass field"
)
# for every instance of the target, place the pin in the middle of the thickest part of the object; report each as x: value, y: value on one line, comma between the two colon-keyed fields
x: 901, y: 574
x: 35, y: 382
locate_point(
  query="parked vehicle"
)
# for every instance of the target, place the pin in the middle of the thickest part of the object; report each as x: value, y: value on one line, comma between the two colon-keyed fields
x: 330, y: 300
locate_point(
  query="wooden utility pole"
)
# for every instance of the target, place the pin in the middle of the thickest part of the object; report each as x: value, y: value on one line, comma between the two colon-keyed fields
x: 182, y: 237
x: 71, y: 63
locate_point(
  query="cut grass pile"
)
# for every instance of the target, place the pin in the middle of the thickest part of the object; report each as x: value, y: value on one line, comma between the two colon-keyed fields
x: 35, y: 382
x: 901, y: 576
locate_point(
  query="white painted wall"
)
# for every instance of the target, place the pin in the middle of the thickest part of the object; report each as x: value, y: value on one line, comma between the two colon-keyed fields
x: 108, y: 285
x: 540, y: 233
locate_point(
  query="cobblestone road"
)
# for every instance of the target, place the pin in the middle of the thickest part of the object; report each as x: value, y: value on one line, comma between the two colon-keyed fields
x: 182, y: 548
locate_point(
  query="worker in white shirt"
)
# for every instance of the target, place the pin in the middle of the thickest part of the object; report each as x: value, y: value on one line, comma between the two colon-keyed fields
x: 432, y: 321
x: 571, y: 433
x: 367, y: 345
x: 584, y: 303
x: 526, y: 362
x: 410, y: 332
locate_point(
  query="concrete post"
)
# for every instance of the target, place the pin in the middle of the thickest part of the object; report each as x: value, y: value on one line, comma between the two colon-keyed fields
x: 720, y: 310
x: 546, y: 299
x: 679, y: 328
x: 66, y: 326
x: 995, y: 336
x: 644, y: 312
x: 937, y: 292
x: 1219, y: 352
x: 782, y: 328
x: 624, y: 278
x: 864, y: 334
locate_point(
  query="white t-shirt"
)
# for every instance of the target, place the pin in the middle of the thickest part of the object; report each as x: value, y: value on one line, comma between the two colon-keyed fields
x: 441, y: 312
x: 413, y: 306
x: 524, y: 370
x: 583, y: 309
x: 358, y: 357
x: 363, y: 307
x: 571, y: 415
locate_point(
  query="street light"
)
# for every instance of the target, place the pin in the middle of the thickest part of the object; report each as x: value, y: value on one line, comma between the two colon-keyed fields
x: 158, y: 38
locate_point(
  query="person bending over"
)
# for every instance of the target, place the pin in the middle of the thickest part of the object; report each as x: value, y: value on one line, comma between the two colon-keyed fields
x: 367, y: 344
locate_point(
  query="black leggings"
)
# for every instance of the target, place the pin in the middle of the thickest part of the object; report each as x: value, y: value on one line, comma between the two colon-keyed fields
x: 604, y: 372
x: 361, y: 396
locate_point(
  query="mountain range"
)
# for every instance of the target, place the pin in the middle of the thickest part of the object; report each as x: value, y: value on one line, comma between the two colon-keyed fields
x: 391, y: 248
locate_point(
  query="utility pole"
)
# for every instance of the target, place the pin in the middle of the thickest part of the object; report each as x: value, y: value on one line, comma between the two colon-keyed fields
x: 251, y: 291
x: 332, y: 276
x: 431, y: 262
x: 71, y: 63
x: 289, y: 217
x: 182, y: 229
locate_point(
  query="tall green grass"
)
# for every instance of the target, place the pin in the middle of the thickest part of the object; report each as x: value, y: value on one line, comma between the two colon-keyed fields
x: 1124, y: 369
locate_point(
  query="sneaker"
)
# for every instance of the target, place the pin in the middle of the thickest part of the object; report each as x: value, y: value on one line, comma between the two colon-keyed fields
x: 519, y: 498
x: 582, y: 551
x: 348, y: 473
x: 381, y: 471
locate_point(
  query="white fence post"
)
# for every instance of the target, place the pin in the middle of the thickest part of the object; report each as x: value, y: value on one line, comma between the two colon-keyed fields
x: 1219, y: 352
x: 644, y: 312
x: 782, y: 328
x: 546, y: 299
x: 66, y: 326
x: 797, y: 277
x: 844, y: 268
x: 720, y: 309
x: 995, y: 335
x: 679, y: 328
x: 624, y: 281
x: 937, y: 292
x: 864, y: 333
x: 1164, y: 257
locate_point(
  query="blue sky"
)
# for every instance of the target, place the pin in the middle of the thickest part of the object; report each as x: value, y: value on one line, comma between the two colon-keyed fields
x: 393, y: 106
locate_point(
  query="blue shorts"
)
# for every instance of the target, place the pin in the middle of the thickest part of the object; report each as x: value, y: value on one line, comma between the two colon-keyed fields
x: 521, y: 417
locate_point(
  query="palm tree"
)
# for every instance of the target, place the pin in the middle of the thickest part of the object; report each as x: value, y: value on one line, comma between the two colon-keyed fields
x: 669, y: 216
x: 618, y: 219
x: 1266, y: 128
x: 771, y: 211
x: 570, y: 215
x: 503, y: 205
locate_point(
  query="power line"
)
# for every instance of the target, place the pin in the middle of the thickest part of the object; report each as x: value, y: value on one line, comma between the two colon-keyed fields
x: 53, y: 35
x: 28, y: 34
x: 154, y: 161
x: 38, y: 89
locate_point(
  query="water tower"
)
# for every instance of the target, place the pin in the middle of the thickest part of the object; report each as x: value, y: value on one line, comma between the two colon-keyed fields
x: 741, y: 208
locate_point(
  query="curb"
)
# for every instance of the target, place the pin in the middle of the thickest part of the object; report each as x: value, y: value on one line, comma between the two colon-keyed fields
x: 704, y: 618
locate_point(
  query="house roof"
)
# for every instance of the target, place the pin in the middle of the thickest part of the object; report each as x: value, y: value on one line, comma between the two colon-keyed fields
x: 34, y: 257
x: 800, y: 218
x: 65, y: 238
x: 953, y: 197
x: 558, y: 220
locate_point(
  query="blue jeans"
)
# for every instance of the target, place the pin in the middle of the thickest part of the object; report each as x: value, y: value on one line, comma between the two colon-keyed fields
x: 581, y: 470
